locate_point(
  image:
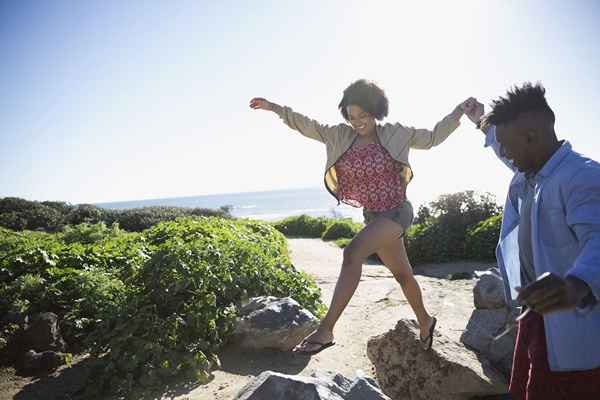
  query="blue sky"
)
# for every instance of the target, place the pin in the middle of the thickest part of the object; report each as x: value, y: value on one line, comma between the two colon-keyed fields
x: 106, y: 101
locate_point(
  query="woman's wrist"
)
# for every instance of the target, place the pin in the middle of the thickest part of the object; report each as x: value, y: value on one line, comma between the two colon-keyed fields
x: 276, y: 108
x: 457, y: 113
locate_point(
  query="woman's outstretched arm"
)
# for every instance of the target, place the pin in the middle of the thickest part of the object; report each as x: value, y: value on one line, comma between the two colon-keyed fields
x: 426, y: 139
x: 306, y: 126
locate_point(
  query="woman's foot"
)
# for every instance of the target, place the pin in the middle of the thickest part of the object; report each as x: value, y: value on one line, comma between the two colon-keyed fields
x: 426, y: 335
x: 315, y: 342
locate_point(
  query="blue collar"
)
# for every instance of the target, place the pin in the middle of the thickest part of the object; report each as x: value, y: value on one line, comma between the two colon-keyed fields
x: 554, y: 161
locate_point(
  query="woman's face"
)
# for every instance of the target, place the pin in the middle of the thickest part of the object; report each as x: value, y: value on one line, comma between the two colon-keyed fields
x: 362, y: 122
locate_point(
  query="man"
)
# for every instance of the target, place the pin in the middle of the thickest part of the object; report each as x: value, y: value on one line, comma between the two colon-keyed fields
x: 551, y: 224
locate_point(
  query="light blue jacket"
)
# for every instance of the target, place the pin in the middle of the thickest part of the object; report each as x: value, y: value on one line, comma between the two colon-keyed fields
x: 565, y: 228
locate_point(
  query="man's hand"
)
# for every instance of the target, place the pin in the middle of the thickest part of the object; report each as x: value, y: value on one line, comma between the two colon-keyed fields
x: 473, y: 109
x: 551, y: 293
x: 258, y: 103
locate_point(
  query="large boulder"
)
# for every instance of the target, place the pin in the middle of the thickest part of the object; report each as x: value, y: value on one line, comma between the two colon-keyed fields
x: 479, y: 335
x: 44, y: 361
x: 275, y: 323
x: 449, y: 371
x: 320, y: 386
x: 42, y: 333
x: 488, y: 292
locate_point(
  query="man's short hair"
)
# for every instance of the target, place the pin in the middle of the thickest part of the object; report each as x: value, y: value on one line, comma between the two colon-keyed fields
x: 368, y: 96
x: 519, y: 100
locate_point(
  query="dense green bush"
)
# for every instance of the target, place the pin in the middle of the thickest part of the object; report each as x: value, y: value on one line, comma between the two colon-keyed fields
x: 441, y: 232
x: 19, y: 214
x: 89, y: 233
x: 60, y: 206
x: 342, y: 243
x: 81, y: 282
x: 150, y: 305
x: 482, y: 238
x: 184, y: 306
x: 139, y: 219
x: 51, y: 216
x: 342, y: 228
x: 13, y: 220
x: 318, y: 227
x: 84, y: 214
x: 302, y: 226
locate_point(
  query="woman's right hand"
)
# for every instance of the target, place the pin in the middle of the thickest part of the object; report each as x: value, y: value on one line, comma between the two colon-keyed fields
x: 258, y: 103
x: 473, y: 109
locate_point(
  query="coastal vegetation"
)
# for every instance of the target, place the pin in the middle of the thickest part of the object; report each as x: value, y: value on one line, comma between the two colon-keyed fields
x: 152, y: 293
x: 458, y: 226
x: 150, y: 306
x: 52, y: 216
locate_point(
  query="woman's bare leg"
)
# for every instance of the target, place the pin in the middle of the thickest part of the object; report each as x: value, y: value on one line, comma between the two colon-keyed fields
x: 380, y: 233
x: 396, y: 260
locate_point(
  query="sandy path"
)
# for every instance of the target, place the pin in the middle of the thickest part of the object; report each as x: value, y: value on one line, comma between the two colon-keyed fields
x: 376, y: 306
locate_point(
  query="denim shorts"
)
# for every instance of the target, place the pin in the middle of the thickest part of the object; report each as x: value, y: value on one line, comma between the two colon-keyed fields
x: 403, y: 215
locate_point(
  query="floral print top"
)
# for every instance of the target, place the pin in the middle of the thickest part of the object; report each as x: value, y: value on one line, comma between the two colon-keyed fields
x: 369, y: 177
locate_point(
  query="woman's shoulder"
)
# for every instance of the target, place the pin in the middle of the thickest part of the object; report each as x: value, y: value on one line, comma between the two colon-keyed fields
x: 344, y: 130
x: 389, y: 130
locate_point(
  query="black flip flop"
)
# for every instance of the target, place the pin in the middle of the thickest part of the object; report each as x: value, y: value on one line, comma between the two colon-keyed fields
x: 427, y: 342
x: 322, y: 347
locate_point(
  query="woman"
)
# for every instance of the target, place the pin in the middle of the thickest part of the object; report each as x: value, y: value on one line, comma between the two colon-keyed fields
x: 367, y: 166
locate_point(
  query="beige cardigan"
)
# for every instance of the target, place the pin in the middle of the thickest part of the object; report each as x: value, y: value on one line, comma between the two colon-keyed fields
x: 395, y: 138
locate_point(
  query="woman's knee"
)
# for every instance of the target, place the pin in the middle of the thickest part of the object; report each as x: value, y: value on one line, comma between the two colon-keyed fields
x: 352, y: 257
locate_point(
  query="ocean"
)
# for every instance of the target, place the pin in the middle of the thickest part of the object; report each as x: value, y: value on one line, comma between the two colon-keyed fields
x: 267, y: 205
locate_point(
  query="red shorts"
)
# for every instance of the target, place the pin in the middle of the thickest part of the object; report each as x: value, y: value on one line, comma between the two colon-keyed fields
x: 531, y: 378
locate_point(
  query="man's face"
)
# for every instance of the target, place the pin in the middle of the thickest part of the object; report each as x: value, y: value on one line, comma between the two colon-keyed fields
x: 515, y: 145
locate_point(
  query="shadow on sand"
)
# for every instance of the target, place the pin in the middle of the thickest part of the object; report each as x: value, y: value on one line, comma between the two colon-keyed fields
x: 243, y: 362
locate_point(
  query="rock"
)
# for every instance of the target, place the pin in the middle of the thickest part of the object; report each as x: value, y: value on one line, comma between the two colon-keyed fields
x: 46, y: 361
x: 361, y: 388
x: 488, y: 292
x: 43, y: 333
x: 449, y: 371
x: 270, y: 322
x: 320, y: 386
x: 459, y: 276
x: 479, y: 335
x: 492, y: 270
x: 12, y: 317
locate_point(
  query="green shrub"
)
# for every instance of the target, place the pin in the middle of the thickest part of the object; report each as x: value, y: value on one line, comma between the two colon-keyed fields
x: 342, y: 243
x: 434, y: 242
x: 302, y: 226
x: 139, y: 219
x: 89, y: 233
x: 60, y: 206
x: 441, y: 232
x: 51, y: 216
x: 14, y: 204
x: 81, y: 282
x: 84, y: 214
x: 338, y: 229
x: 185, y: 300
x: 21, y: 214
x: 482, y: 238
x: 13, y: 220
x: 150, y: 305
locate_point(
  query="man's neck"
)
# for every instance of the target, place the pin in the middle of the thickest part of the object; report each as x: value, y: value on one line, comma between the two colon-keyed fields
x: 546, y: 154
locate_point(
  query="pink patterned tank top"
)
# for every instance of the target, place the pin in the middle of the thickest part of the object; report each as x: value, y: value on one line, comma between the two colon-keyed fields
x: 369, y: 177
